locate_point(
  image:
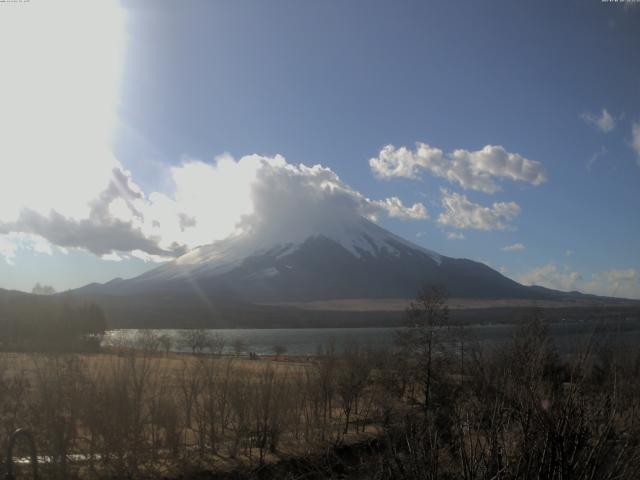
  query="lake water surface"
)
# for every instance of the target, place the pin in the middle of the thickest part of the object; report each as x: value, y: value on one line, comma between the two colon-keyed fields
x: 306, y: 341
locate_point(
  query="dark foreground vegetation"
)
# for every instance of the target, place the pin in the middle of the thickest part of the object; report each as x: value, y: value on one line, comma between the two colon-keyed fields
x: 438, y: 406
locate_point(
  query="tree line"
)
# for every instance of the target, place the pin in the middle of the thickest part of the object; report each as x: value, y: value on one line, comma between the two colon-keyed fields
x: 29, y: 322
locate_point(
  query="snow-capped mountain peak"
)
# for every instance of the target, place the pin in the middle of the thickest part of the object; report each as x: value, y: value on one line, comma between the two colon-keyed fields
x: 361, y: 239
x: 337, y: 258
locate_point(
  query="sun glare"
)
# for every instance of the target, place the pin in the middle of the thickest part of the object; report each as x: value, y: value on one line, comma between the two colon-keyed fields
x: 62, y: 66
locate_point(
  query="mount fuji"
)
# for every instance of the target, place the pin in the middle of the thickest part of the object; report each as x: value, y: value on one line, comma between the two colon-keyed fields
x: 339, y: 258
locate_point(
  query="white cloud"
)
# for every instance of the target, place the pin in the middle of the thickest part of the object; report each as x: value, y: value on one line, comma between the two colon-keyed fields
x: 455, y: 236
x: 475, y: 170
x: 460, y: 212
x: 299, y: 198
x: 100, y: 233
x: 395, y: 209
x: 144, y: 256
x: 611, y: 283
x: 112, y: 257
x: 209, y: 202
x: 516, y: 247
x: 35, y: 243
x: 635, y: 140
x: 549, y: 276
x: 568, y: 252
x: 11, y: 243
x: 603, y: 122
x: 7, y: 249
x: 402, y: 162
x: 615, y: 283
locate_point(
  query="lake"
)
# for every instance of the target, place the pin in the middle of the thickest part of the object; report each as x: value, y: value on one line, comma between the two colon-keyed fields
x: 306, y: 341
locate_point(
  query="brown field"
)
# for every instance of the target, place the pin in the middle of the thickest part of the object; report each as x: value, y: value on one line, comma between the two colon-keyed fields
x: 27, y: 364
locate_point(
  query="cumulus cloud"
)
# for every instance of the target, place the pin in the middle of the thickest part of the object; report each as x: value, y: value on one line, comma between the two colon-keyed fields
x: 611, y: 283
x: 516, y: 247
x: 209, y: 202
x: 266, y: 193
x: 475, y: 170
x: 302, y: 199
x: 603, y: 122
x: 635, y: 140
x: 404, y: 163
x: 460, y: 212
x: 395, y: 209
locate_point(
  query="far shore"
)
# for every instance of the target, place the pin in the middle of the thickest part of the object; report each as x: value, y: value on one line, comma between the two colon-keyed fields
x: 401, y: 304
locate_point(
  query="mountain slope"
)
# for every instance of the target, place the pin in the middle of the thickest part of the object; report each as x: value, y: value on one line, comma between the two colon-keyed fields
x: 355, y: 259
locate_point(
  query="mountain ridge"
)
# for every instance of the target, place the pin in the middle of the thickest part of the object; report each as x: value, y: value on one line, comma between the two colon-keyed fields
x: 339, y: 259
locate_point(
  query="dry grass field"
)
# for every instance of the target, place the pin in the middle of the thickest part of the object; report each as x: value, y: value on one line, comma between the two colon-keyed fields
x: 172, y: 364
x: 133, y: 413
x: 430, y: 409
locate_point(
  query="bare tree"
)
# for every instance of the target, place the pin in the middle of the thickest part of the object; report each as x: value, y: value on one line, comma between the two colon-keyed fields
x: 353, y: 377
x: 327, y: 367
x: 279, y: 350
x: 166, y: 342
x: 216, y: 343
x: 147, y: 340
x: 239, y: 346
x: 197, y: 340
x: 424, y: 320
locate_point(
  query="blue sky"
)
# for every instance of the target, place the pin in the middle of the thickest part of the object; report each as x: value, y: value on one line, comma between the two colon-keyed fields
x: 332, y: 83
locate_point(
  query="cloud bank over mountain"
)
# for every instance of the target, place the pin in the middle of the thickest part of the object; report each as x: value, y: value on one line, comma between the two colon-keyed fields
x: 209, y: 202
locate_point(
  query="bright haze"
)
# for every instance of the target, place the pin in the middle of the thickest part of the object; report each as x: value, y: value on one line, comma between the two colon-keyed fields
x: 503, y: 132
